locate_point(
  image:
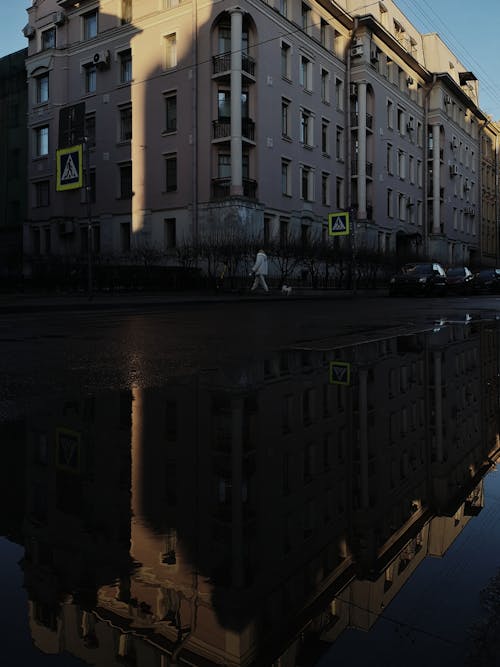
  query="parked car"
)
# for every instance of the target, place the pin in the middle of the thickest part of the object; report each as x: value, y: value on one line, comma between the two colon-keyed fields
x: 460, y: 280
x: 487, y: 280
x: 425, y: 278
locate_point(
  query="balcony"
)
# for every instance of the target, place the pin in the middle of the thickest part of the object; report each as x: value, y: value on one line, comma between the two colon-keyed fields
x: 221, y: 188
x: 221, y: 129
x: 355, y: 169
x: 221, y: 65
x: 355, y: 121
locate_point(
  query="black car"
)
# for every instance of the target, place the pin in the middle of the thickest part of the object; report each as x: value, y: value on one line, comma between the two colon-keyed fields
x: 460, y: 280
x: 425, y: 278
x: 487, y: 280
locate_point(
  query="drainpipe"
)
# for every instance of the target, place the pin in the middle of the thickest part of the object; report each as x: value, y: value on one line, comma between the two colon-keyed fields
x: 347, y: 97
x: 236, y: 136
x: 425, y: 169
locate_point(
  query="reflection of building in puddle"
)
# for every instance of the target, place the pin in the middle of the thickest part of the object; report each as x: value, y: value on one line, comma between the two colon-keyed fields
x: 270, y: 505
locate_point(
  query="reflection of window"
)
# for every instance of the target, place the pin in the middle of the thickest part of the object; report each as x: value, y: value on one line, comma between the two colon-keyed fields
x: 171, y: 51
x: 305, y: 74
x: 171, y: 172
x: 125, y: 181
x: 126, y: 123
x: 306, y: 183
x: 42, y: 141
x: 171, y: 113
x: 325, y: 147
x: 49, y: 39
x: 90, y: 79
x: 306, y: 128
x: 90, y: 25
x: 325, y: 86
x: 126, y: 66
x: 284, y: 7
x: 305, y: 16
x: 42, y: 88
x: 285, y: 117
x: 224, y: 38
x: 42, y: 194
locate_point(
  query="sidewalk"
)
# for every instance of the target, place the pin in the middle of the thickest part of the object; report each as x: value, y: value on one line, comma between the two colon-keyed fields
x: 37, y: 301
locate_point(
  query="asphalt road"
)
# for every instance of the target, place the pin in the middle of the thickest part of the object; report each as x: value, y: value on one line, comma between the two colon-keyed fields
x: 53, y: 352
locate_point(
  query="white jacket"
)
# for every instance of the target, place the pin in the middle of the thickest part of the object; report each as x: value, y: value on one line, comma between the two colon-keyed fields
x: 260, y: 266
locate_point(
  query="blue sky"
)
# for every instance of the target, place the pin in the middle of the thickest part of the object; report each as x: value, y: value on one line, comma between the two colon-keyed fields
x: 469, y: 29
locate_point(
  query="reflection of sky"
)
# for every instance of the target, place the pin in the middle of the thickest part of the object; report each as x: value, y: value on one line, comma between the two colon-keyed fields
x: 441, y: 598
x: 17, y: 647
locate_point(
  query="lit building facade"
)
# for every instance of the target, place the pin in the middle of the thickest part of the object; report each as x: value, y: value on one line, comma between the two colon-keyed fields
x: 262, y: 117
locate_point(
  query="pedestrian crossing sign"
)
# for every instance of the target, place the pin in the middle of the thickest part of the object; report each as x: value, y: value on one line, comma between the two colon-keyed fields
x: 338, y: 223
x: 69, y: 168
x: 340, y: 372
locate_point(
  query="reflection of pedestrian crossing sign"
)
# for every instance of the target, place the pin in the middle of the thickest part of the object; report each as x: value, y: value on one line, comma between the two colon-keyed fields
x: 69, y: 168
x: 338, y: 223
x: 68, y: 450
x: 340, y: 372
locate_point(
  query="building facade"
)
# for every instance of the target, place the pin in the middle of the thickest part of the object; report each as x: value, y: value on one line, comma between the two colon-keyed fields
x: 13, y: 140
x: 261, y: 117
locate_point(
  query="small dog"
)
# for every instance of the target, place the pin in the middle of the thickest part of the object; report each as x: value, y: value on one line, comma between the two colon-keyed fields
x: 286, y: 289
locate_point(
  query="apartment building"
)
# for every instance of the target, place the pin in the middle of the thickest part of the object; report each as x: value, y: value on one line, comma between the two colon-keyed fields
x: 262, y: 117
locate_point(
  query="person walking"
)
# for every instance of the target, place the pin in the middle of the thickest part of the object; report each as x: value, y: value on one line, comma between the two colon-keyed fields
x: 259, y: 270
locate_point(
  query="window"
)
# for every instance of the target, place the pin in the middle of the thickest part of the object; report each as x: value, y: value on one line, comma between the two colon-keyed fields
x: 325, y: 86
x: 42, y: 189
x: 325, y: 189
x: 285, y: 178
x: 339, y: 192
x: 390, y: 112
x: 306, y: 17
x: 339, y: 94
x: 170, y: 231
x: 325, y: 143
x: 402, y: 206
x: 168, y: 4
x: 125, y: 229
x: 90, y: 79
x: 284, y: 237
x: 339, y: 143
x: 171, y: 173
x: 390, y: 211
x: 90, y: 25
x: 171, y: 113
x: 48, y: 40
x: 306, y: 128
x: 42, y: 89
x: 125, y: 181
x: 389, y: 158
x: 324, y: 33
x: 90, y: 130
x: 126, y: 123
x: 126, y: 66
x: 42, y: 141
x: 286, y: 60
x: 126, y: 11
x: 171, y: 51
x: 401, y: 164
x: 305, y: 73
x: 224, y: 37
x: 306, y: 183
x: 411, y: 168
x: 284, y: 7
x: 285, y: 118
x: 224, y: 165
x: 401, y: 121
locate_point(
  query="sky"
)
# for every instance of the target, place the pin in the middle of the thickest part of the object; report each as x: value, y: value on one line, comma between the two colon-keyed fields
x: 470, y: 29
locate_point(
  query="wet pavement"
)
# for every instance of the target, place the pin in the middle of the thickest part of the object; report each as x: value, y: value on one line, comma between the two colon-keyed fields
x: 211, y: 483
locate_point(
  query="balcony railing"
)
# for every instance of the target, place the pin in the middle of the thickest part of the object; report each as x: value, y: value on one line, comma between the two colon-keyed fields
x: 221, y: 188
x: 222, y: 63
x: 355, y: 120
x: 222, y: 128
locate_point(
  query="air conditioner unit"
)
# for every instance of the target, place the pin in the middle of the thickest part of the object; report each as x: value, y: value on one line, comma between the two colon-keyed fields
x: 454, y: 142
x: 101, y: 59
x: 357, y: 41
x: 409, y: 81
x: 29, y: 31
x: 357, y: 51
x: 59, y: 18
x: 353, y: 90
x: 453, y: 169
